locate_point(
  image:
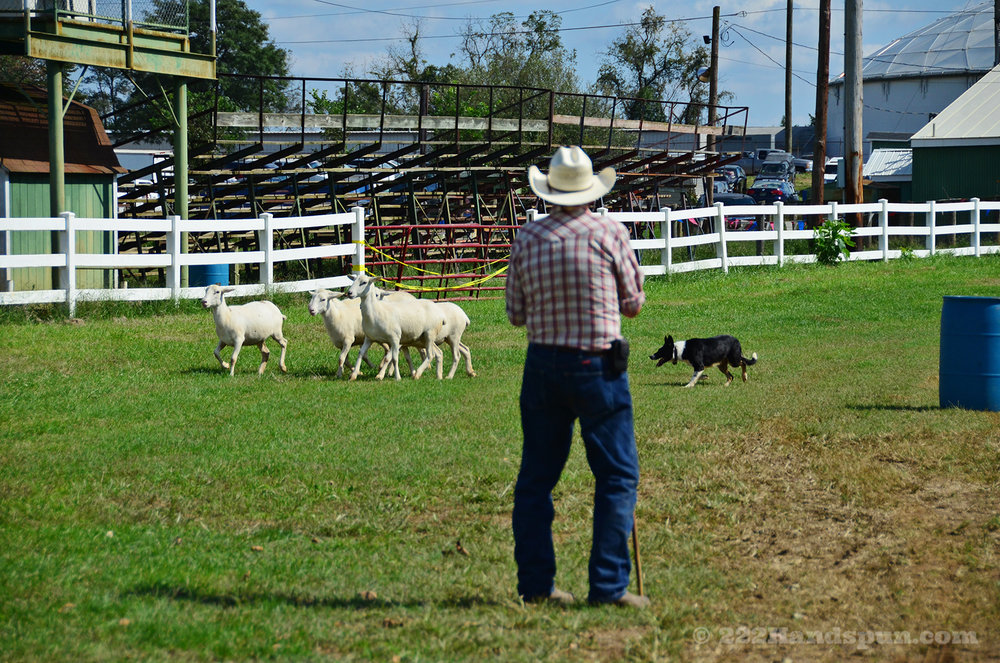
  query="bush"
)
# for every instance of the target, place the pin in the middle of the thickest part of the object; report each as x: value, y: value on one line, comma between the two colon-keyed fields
x: 833, y: 241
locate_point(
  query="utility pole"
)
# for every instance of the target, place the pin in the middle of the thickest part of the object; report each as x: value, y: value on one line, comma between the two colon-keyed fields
x: 822, y: 98
x: 788, y: 77
x: 996, y: 33
x: 713, y: 83
x: 853, y: 99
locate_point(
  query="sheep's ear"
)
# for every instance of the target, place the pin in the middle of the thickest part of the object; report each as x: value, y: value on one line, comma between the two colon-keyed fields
x: 226, y: 289
x: 335, y: 294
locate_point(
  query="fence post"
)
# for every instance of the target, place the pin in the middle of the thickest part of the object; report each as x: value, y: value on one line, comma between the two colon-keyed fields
x: 267, y: 242
x: 667, y: 255
x: 932, y: 226
x: 720, y: 251
x: 67, y: 246
x: 779, y: 223
x: 358, y: 237
x: 883, y: 222
x: 174, y: 249
x: 975, y: 228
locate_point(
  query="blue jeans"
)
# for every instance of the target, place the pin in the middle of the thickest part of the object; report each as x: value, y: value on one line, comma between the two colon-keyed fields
x: 559, y: 387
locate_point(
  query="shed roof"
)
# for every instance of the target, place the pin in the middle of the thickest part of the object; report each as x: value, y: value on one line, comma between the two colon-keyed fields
x: 889, y: 165
x: 972, y: 119
x: 24, y: 125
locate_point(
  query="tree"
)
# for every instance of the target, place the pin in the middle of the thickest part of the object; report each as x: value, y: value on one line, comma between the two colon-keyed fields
x: 243, y: 47
x: 652, y: 61
x: 529, y: 54
x: 22, y: 70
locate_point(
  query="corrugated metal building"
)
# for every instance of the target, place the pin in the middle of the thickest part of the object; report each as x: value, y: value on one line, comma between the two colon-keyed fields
x: 909, y: 81
x: 888, y: 173
x: 957, y: 154
x: 91, y: 169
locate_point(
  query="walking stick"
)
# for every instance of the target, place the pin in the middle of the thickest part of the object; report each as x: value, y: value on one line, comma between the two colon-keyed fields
x: 638, y: 561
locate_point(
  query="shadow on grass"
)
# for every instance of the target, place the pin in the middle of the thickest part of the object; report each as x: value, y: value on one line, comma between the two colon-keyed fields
x: 307, y: 373
x: 232, y: 600
x: 895, y: 408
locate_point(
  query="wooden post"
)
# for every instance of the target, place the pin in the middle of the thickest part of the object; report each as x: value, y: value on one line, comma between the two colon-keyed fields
x: 788, y: 77
x: 67, y: 246
x: 822, y: 97
x: 853, y: 97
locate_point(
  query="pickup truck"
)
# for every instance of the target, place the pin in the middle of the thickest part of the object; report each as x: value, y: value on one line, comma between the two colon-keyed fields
x: 752, y: 161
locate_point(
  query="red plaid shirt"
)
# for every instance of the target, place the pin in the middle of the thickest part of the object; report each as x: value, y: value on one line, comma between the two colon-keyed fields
x: 571, y: 278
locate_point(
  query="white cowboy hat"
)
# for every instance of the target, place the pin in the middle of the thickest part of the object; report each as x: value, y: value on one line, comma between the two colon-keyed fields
x: 571, y: 179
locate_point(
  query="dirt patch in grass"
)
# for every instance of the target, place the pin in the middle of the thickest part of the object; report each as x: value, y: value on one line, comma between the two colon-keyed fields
x: 819, y: 577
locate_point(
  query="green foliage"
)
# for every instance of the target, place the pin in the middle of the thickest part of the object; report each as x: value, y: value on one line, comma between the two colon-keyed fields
x: 655, y: 60
x: 243, y: 46
x: 832, y: 241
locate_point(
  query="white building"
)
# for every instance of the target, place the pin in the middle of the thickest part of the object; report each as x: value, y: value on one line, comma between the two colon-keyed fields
x: 908, y: 82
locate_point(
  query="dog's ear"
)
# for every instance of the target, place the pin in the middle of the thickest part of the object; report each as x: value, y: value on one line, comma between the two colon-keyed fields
x: 668, y: 341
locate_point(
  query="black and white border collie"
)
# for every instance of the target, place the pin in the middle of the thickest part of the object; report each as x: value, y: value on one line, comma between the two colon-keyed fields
x: 722, y: 351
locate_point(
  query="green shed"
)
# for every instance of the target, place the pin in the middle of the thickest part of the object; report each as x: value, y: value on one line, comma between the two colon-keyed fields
x: 957, y: 154
x: 91, y: 170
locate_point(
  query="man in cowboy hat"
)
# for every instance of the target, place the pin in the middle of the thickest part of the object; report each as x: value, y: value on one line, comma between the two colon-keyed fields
x: 571, y: 276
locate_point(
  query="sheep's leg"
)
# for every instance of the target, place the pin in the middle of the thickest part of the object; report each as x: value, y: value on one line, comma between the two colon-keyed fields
x: 237, y: 346
x: 361, y: 356
x: 218, y: 355
x: 439, y: 355
x: 265, y: 354
x: 454, y: 358
x: 429, y: 348
x: 343, y: 358
x: 283, y: 342
x: 464, y: 349
x: 406, y: 355
x: 386, y: 358
x: 394, y: 362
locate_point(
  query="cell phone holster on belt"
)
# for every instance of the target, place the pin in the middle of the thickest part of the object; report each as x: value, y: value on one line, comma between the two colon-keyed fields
x: 618, y: 356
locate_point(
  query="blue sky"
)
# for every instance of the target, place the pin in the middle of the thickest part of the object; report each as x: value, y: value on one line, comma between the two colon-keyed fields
x: 326, y: 37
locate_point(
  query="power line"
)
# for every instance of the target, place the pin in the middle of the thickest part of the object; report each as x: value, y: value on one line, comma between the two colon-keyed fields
x: 362, y: 11
x: 512, y: 32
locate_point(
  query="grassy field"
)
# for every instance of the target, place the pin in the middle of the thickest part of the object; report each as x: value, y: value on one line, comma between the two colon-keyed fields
x: 153, y: 508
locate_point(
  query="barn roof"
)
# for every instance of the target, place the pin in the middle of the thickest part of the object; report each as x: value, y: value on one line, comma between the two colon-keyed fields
x: 972, y: 119
x: 24, y: 117
x: 958, y: 44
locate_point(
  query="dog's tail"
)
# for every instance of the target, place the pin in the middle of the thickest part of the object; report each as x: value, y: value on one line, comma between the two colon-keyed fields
x: 751, y: 361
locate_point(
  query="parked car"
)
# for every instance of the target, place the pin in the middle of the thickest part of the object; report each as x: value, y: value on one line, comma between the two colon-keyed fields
x: 802, y: 165
x: 735, y: 176
x: 766, y: 192
x: 752, y: 161
x: 747, y: 222
x: 777, y: 170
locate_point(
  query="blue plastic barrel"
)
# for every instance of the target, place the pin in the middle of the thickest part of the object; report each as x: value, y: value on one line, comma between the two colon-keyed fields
x: 203, y: 275
x: 970, y: 353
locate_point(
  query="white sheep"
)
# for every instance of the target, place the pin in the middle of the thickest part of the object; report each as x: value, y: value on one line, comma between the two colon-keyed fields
x: 251, y: 323
x: 342, y: 319
x: 397, y: 321
x: 456, y: 322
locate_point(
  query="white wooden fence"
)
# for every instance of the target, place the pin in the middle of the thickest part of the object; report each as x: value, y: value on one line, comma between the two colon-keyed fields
x: 780, y: 223
x: 67, y: 260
